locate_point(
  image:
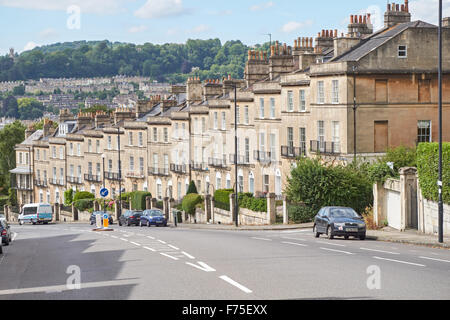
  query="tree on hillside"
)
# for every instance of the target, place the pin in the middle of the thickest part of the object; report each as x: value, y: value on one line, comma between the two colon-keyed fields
x: 10, y: 135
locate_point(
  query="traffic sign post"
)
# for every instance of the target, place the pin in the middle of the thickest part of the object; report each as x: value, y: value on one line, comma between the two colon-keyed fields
x: 103, y: 219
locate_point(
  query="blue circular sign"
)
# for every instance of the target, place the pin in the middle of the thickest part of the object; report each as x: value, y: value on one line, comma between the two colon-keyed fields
x: 104, y: 192
x: 105, y: 216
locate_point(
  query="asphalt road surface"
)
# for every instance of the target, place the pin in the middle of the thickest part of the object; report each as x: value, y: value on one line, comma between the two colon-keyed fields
x: 70, y: 261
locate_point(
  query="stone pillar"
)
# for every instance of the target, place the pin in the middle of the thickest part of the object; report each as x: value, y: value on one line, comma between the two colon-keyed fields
x: 408, y: 198
x: 56, y: 212
x: 285, y: 211
x: 420, y: 206
x: 153, y: 203
x: 116, y: 210
x: 379, y: 200
x: 171, y: 208
x: 233, y: 207
x: 166, y: 207
x: 97, y: 206
x: 212, y: 210
x: 208, y: 208
x: 74, y: 213
x: 148, y: 203
x: 271, y: 208
x: 6, y: 209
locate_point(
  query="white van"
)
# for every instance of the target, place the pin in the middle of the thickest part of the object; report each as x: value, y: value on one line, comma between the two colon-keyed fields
x: 36, y: 213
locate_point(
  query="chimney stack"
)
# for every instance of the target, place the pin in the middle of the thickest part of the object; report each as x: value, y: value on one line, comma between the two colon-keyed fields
x: 397, y: 14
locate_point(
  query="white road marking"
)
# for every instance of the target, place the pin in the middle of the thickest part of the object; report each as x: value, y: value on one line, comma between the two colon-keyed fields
x: 173, y: 247
x: 151, y: 249
x: 382, y: 251
x: 339, y: 251
x: 203, y: 266
x: 290, y: 238
x: 168, y: 256
x: 334, y: 244
x: 187, y: 255
x: 163, y: 242
x: 14, y: 236
x: 114, y: 237
x: 434, y: 259
x: 296, y: 231
x: 150, y: 237
x: 295, y: 244
x: 262, y: 239
x: 137, y: 244
x: 234, y: 283
x: 399, y: 261
x: 124, y: 239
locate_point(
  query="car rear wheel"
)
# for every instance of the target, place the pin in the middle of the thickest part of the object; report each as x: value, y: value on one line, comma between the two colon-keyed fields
x: 330, y: 233
x: 120, y: 223
x: 21, y: 222
x: 363, y: 237
x: 6, y: 242
x: 316, y: 234
x: 346, y: 237
x: 1, y: 250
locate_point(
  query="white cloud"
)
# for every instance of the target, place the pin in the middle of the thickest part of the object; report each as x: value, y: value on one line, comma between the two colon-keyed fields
x: 48, y: 33
x: 154, y: 9
x: 201, y: 28
x: 87, y: 6
x: 30, y: 46
x: 295, y: 26
x: 137, y: 29
x: 262, y: 6
x: 427, y: 10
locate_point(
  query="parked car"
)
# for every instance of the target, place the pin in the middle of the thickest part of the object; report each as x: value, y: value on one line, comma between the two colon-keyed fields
x: 5, y: 232
x: 94, y: 215
x: 153, y: 217
x: 2, y: 217
x: 130, y: 217
x: 339, y: 222
x: 36, y: 213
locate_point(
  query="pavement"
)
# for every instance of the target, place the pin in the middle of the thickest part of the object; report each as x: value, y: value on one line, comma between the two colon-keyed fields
x: 71, y: 262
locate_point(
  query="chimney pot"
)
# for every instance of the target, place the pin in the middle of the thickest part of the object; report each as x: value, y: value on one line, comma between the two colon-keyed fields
x: 397, y: 7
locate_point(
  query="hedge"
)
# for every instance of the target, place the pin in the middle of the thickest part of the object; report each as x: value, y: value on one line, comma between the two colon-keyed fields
x: 247, y: 201
x: 81, y: 195
x: 137, y: 199
x: 3, y: 201
x: 300, y: 213
x: 427, y: 166
x: 68, y: 197
x: 222, y: 198
x: 190, y: 202
x: 84, y: 204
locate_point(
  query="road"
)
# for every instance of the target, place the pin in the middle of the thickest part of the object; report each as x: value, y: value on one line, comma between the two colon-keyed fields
x: 169, y: 263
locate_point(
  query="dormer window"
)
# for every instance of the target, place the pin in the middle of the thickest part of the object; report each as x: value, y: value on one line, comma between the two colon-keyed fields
x: 402, y: 52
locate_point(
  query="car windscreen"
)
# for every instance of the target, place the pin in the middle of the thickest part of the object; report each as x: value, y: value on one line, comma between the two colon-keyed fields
x: 154, y: 213
x: 137, y: 213
x: 29, y: 211
x: 343, y: 213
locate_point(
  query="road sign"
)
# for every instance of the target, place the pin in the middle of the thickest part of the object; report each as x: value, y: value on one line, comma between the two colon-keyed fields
x: 105, y: 221
x: 104, y: 192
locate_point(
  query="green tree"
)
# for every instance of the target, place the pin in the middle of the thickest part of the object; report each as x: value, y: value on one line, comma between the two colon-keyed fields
x: 10, y: 135
x: 19, y: 90
x: 192, y: 188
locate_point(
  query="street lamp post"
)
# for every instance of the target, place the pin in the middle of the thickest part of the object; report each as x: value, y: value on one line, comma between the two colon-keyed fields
x: 120, y: 172
x: 441, y: 204
x: 236, y: 155
x: 355, y: 107
x: 104, y: 182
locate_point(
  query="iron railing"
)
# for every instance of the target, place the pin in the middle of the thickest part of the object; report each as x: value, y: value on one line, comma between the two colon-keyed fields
x: 324, y: 147
x: 152, y: 171
x: 92, y: 178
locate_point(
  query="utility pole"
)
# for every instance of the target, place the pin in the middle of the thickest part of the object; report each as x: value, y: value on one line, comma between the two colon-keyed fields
x: 236, y: 155
x: 104, y: 181
x: 355, y: 107
x: 120, y: 171
x: 441, y: 204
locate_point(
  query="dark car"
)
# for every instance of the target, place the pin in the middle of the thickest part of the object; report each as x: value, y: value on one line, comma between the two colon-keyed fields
x: 339, y: 222
x: 96, y: 213
x: 153, y: 217
x: 130, y: 217
x: 5, y: 232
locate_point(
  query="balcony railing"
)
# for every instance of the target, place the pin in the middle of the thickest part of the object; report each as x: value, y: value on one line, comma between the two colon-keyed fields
x: 323, y: 147
x: 218, y: 162
x: 57, y: 182
x: 113, y: 176
x: 199, y: 166
x: 177, y: 168
x: 293, y: 152
x: 241, y: 160
x: 92, y: 178
x: 162, y: 172
x: 41, y: 183
x: 74, y: 180
x: 24, y: 186
x: 263, y: 156
x: 135, y: 174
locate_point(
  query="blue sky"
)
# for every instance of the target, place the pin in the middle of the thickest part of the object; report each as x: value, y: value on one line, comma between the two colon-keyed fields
x: 27, y: 23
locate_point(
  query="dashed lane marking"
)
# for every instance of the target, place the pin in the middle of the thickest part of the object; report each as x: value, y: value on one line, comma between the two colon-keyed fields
x: 202, y: 266
x: 187, y: 255
x: 237, y: 285
x: 262, y: 239
x: 295, y: 244
x: 168, y: 256
x: 135, y: 243
x: 173, y: 247
x: 434, y: 259
x: 339, y: 251
x: 151, y: 249
x: 399, y: 261
x: 333, y: 244
x: 376, y: 250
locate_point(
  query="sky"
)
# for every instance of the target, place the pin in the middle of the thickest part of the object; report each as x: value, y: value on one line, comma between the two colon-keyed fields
x: 26, y: 24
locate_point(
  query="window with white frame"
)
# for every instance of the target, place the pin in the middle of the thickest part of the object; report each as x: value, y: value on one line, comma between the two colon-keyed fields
x: 402, y: 52
x: 130, y: 138
x: 247, y: 150
x: 166, y: 163
x: 89, y: 145
x: 320, y: 93
x: 303, y: 141
x: 141, y: 165
x: 424, y: 131
x: 336, y: 136
x: 261, y: 108
x: 79, y: 173
x: 61, y: 153
x: 224, y: 121
x: 195, y: 125
x: 141, y: 139
x: 110, y: 165
x: 238, y: 115
x: 45, y: 155
x: 155, y: 161
x: 302, y: 99
x: 54, y: 152
x: 176, y: 130
x: 166, y: 135
x: 71, y: 171
x: 109, y: 143
x: 321, y: 133
x: 216, y: 121
x: 251, y: 183
x: 61, y: 176
x: 266, y: 180
x: 71, y: 149
x: 290, y: 101
x: 262, y: 142
x: 131, y: 163
x: 272, y: 108
x: 273, y: 146
x: 203, y: 125
x: 246, y: 115
x: 335, y: 91
x: 97, y: 146
x: 155, y: 134
x: 79, y: 149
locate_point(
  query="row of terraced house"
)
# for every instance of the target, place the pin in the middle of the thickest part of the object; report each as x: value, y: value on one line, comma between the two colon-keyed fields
x: 294, y: 101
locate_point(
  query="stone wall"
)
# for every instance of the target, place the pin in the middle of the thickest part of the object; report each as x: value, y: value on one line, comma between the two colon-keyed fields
x: 251, y: 218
